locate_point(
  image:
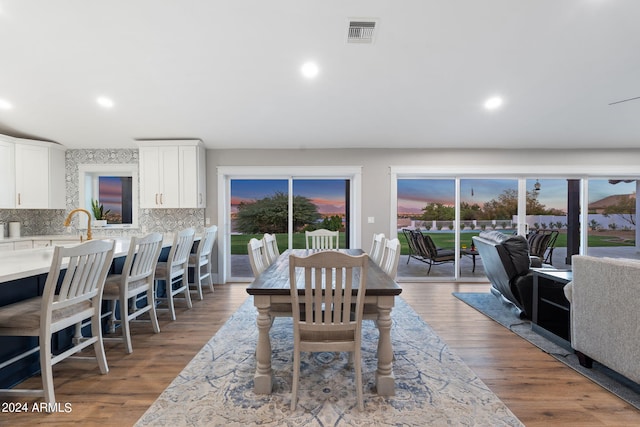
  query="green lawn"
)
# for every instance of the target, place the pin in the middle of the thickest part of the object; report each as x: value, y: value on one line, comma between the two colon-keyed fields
x: 441, y: 240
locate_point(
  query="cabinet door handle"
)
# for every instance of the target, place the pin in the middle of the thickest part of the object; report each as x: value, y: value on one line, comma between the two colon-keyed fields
x: 156, y: 198
x: 161, y: 198
x: 19, y: 199
x: 200, y: 194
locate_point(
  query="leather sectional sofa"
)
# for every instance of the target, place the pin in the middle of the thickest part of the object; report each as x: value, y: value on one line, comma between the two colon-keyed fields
x: 507, y: 264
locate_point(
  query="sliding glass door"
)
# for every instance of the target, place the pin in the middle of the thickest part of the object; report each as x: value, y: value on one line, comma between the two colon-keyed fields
x: 263, y: 200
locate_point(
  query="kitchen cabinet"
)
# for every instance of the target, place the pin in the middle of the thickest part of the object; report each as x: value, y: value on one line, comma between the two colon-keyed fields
x: 172, y: 174
x: 34, y: 179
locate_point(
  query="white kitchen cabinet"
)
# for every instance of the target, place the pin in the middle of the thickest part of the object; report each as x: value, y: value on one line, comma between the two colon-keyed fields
x: 7, y: 175
x: 35, y: 177
x: 192, y: 177
x: 172, y: 174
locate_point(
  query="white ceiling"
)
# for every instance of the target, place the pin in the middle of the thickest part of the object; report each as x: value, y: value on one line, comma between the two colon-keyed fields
x: 227, y: 72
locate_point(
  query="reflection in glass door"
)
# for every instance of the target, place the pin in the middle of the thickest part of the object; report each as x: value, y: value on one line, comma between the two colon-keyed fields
x: 320, y: 203
x: 258, y: 206
x: 612, y: 218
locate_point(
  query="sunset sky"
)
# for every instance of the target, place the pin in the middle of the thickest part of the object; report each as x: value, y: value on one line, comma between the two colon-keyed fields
x: 327, y: 195
x: 414, y: 194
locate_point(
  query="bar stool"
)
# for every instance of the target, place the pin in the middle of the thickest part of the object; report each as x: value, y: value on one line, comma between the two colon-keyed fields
x: 79, y: 298
x: 202, y: 259
x: 175, y: 271
x: 136, y: 279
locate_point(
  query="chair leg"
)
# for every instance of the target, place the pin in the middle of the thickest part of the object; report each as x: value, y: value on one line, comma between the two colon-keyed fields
x: 98, y: 346
x: 296, y: 377
x: 46, y: 369
x: 124, y: 324
x: 358, y: 368
x: 169, y: 292
x: 209, y: 277
x: 187, y: 294
x: 152, y: 311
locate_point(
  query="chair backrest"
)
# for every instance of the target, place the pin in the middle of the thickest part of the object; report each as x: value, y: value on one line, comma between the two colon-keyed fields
x: 178, y: 259
x: 271, y: 247
x: 87, y: 268
x: 428, y: 247
x: 390, y: 257
x: 206, y: 243
x: 328, y: 280
x: 322, y: 239
x: 377, y: 248
x: 257, y: 256
x: 140, y: 264
x: 411, y: 241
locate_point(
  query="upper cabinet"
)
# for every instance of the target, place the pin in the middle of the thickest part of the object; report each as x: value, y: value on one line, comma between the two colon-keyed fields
x: 172, y: 174
x: 32, y: 174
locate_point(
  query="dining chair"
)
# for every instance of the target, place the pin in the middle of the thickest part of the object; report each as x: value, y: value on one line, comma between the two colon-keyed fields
x: 201, y: 259
x: 79, y: 272
x: 257, y: 256
x: 377, y: 248
x: 323, y: 319
x: 134, y: 287
x: 271, y: 247
x: 175, y: 272
x: 322, y: 239
x: 390, y: 257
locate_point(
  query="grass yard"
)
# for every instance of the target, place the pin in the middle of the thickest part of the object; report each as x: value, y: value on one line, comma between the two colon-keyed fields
x: 441, y: 240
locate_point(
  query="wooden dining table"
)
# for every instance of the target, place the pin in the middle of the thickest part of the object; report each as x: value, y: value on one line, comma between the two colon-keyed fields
x: 272, y: 297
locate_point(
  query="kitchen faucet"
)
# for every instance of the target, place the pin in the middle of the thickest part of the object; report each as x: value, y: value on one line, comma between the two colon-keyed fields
x: 67, y: 222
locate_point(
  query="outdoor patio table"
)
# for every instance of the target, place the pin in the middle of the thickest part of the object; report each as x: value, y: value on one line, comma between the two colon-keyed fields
x: 272, y: 288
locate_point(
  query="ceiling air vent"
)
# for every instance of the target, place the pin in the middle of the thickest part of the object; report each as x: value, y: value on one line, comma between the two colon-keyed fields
x: 361, y: 31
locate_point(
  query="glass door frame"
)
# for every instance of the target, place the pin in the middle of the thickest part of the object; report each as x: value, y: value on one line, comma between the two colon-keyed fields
x: 290, y: 173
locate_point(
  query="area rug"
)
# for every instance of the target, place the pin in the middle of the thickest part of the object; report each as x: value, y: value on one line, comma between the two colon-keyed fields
x: 433, y: 385
x: 492, y: 307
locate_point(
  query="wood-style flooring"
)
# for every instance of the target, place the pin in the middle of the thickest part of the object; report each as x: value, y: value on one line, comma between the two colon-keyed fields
x: 538, y: 389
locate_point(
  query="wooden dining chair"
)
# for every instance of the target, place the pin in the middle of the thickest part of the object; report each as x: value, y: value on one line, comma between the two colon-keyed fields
x: 377, y: 248
x: 175, y: 272
x: 201, y: 260
x: 271, y: 247
x: 390, y: 257
x: 79, y: 274
x: 257, y: 256
x: 134, y: 287
x: 323, y: 319
x: 322, y: 239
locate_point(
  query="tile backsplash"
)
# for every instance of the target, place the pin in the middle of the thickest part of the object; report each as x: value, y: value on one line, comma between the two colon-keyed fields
x: 49, y: 221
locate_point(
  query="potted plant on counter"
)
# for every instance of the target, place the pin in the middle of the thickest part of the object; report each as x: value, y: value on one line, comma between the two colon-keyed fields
x: 99, y: 214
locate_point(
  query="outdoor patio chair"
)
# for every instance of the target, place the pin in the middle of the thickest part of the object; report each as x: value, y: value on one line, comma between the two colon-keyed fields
x: 422, y: 248
x: 542, y: 243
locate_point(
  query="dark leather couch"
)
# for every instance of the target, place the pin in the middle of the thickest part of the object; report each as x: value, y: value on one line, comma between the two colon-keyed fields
x: 507, y: 264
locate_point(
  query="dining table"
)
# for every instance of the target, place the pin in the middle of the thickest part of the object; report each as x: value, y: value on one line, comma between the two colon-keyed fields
x: 271, y: 293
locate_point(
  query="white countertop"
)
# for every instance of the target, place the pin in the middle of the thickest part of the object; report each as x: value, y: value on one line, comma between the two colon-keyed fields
x: 22, y: 263
x: 61, y: 237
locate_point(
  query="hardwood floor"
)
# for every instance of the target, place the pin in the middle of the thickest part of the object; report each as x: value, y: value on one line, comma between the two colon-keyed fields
x: 537, y: 388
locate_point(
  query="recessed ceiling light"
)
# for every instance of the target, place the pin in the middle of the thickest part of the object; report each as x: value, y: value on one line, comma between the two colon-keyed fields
x: 5, y: 105
x: 309, y: 70
x: 105, y: 102
x: 493, y: 103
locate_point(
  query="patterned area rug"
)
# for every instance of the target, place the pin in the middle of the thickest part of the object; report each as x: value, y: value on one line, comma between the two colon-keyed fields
x: 433, y: 386
x: 490, y: 306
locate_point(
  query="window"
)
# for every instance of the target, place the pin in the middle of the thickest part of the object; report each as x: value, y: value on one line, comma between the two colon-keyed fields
x: 113, y: 186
